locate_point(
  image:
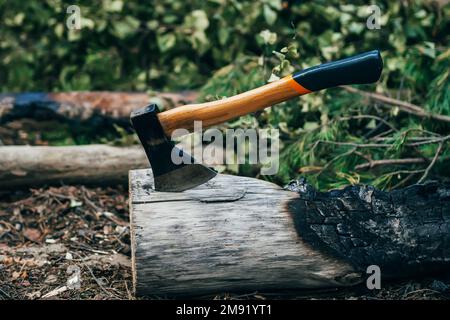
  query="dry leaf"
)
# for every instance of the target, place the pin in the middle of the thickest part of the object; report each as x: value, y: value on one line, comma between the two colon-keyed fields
x: 32, y: 234
x: 51, y: 279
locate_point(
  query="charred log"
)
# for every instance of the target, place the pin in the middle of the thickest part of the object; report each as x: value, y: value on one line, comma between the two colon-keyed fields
x: 84, y: 106
x: 243, y: 234
x: 405, y: 232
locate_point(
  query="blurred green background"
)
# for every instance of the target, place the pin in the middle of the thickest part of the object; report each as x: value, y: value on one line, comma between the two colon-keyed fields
x: 222, y: 47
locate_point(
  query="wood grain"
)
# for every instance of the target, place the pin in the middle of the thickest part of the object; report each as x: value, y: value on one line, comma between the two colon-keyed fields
x: 216, y: 112
x: 27, y: 166
x: 230, y: 234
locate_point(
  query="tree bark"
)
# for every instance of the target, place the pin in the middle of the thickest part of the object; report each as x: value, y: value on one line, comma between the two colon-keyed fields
x: 243, y: 234
x: 85, y: 105
x: 25, y: 166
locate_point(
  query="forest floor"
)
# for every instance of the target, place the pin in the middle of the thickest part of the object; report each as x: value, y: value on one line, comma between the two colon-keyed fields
x: 74, y: 243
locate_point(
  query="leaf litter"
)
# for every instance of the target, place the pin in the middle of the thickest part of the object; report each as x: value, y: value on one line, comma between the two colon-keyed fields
x: 65, y: 243
x: 73, y: 242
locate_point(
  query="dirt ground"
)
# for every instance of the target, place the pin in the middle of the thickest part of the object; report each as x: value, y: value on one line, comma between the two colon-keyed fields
x: 73, y: 242
x: 71, y: 239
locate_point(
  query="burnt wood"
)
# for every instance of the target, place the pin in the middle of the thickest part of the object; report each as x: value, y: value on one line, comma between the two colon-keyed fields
x: 85, y: 106
x: 406, y: 232
x: 239, y: 234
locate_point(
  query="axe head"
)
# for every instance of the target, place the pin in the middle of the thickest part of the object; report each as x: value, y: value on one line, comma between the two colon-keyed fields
x: 173, y: 169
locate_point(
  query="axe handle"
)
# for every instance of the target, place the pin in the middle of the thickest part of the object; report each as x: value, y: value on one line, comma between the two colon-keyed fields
x: 359, y: 69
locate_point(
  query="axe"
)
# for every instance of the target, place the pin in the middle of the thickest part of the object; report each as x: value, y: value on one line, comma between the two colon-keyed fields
x: 154, y: 128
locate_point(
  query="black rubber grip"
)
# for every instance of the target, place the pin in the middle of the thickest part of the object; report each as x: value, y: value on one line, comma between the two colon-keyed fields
x: 360, y: 69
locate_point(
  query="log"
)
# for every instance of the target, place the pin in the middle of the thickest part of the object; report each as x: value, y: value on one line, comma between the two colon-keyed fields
x: 84, y: 106
x: 239, y: 234
x: 34, y: 166
x: 26, y: 166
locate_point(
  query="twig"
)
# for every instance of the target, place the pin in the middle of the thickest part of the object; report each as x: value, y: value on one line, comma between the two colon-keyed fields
x: 435, y: 140
x: 375, y: 163
x: 368, y: 116
x: 130, y: 296
x: 362, y: 155
x: 404, y: 172
x: 378, y: 138
x: 382, y: 137
x: 382, y: 134
x: 325, y: 167
x: 5, y: 293
x: 60, y: 196
x: 382, y: 145
x: 353, y: 144
x: 408, y: 177
x: 99, y: 283
x: 81, y: 246
x: 402, y: 105
x: 427, y: 170
x: 421, y: 290
x: 88, y: 201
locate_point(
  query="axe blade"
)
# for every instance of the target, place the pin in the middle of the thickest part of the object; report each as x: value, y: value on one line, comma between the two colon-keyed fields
x: 169, y: 175
x: 183, y: 178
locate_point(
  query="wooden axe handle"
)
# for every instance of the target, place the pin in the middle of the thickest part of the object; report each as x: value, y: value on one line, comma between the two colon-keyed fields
x: 359, y: 69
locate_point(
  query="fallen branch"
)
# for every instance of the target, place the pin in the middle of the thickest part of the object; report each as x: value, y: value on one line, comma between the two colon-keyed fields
x: 402, y: 105
x: 25, y: 166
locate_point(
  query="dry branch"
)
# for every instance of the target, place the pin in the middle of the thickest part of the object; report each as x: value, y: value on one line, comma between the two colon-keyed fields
x: 376, y: 163
x: 402, y: 105
x: 432, y: 163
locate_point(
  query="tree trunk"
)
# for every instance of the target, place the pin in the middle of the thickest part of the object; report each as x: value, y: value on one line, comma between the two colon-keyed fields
x: 85, y: 105
x: 243, y: 234
x: 25, y: 166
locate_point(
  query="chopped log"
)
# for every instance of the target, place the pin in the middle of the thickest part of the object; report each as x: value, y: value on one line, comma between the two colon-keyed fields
x: 85, y: 105
x: 242, y: 234
x: 26, y: 166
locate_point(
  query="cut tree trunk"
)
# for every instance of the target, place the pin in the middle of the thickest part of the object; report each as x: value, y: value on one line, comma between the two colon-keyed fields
x: 26, y: 166
x: 242, y: 234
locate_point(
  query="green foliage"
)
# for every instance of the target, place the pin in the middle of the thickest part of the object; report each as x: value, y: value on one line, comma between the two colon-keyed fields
x: 125, y: 45
x: 327, y: 135
x: 230, y: 46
